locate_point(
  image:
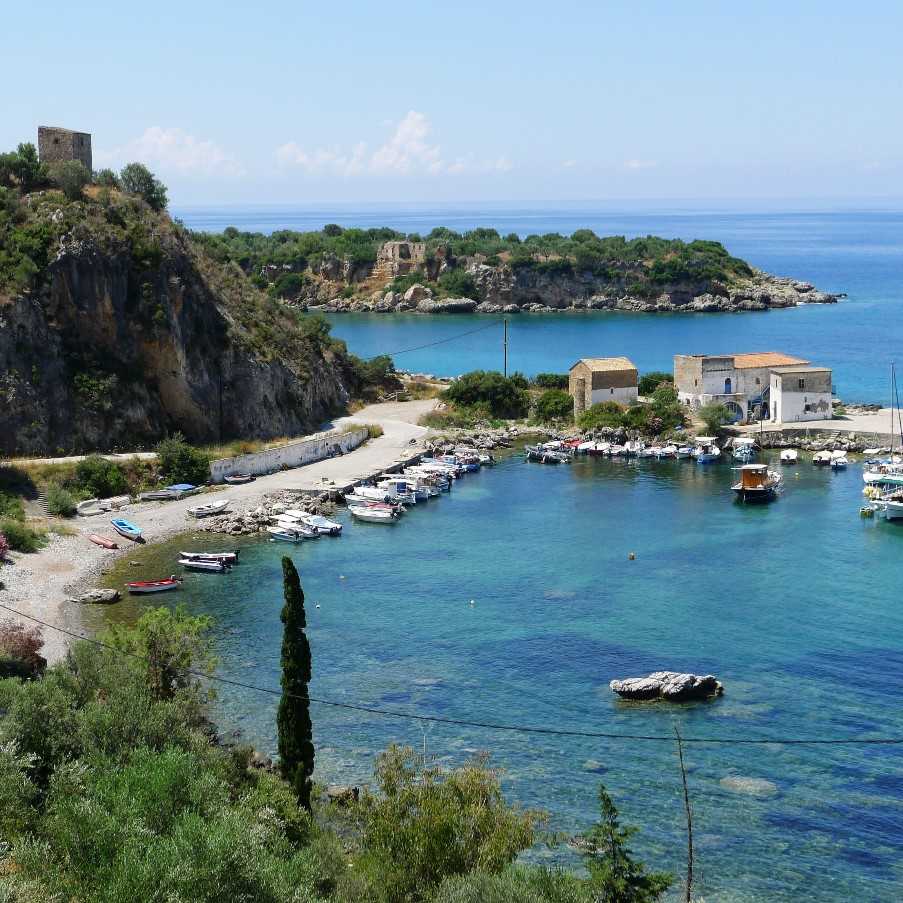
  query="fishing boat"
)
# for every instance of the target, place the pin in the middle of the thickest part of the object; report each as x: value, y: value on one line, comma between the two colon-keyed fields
x: 322, y: 525
x: 839, y: 460
x: 226, y: 557
x: 296, y: 524
x: 236, y: 479
x: 486, y: 460
x: 822, y: 459
x: 371, y: 493
x: 205, y: 564
x: 374, y: 514
x: 684, y: 451
x: 744, y: 449
x: 285, y: 534
x: 706, y: 451
x: 757, y: 483
x: 142, y: 587
x: 103, y: 541
x: 789, y: 456
x: 159, y: 495
x: 127, y: 529
x: 401, y: 487
x: 209, y: 509
x: 666, y: 451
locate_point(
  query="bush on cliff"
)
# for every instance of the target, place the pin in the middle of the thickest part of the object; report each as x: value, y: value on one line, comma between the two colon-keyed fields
x: 60, y: 502
x: 458, y: 284
x: 70, y: 177
x: 182, y: 463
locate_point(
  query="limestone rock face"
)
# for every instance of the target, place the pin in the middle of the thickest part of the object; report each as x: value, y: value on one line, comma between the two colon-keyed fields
x: 448, y: 306
x: 672, y: 686
x: 417, y: 293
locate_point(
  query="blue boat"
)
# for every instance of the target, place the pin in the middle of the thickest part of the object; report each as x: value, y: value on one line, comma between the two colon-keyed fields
x: 127, y: 529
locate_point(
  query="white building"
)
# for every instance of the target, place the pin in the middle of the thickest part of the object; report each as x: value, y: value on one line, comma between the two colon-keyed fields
x: 596, y: 379
x: 745, y: 385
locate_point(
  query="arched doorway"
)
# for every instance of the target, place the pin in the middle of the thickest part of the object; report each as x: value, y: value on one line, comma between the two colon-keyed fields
x: 728, y: 390
x: 734, y: 411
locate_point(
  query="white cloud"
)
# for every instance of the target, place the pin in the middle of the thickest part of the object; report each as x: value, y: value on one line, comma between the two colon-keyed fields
x: 173, y: 150
x: 640, y: 164
x: 408, y: 150
x: 568, y: 164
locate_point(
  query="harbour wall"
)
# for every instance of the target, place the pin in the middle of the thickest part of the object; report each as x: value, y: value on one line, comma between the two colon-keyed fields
x: 820, y: 437
x: 284, y: 457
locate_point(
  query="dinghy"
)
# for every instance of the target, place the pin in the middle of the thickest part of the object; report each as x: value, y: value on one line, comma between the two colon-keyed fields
x: 103, y: 541
x: 88, y: 508
x: 209, y: 509
x: 140, y: 587
x: 285, y: 534
x: 297, y: 525
x: 839, y: 460
x: 821, y: 459
x: 226, y: 557
x: 789, y: 456
x: 127, y: 529
x: 204, y: 564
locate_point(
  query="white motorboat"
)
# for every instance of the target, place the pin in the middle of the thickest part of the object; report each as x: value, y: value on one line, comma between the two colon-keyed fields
x: 743, y: 448
x: 684, y: 451
x: 839, y: 460
x: 285, y: 534
x: 322, y: 525
x: 633, y: 447
x: 296, y: 524
x: 201, y: 564
x: 404, y: 489
x: 706, y: 451
x: 372, y: 493
x: 226, y: 557
x: 822, y: 459
x: 667, y: 451
x: 209, y: 509
x: 789, y: 456
x: 374, y: 514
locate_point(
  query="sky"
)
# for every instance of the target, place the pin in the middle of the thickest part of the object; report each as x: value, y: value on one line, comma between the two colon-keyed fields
x: 288, y: 101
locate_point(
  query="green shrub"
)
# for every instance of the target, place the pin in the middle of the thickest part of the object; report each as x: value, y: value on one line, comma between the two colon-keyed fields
x: 136, y: 178
x: 601, y: 415
x: 106, y: 178
x: 99, y: 477
x: 458, y: 284
x: 551, y: 380
x: 71, y: 177
x: 503, y: 397
x: 182, y: 463
x: 11, y: 507
x: 649, y: 381
x: 714, y: 416
x: 553, y: 404
x: 60, y: 502
x: 21, y: 537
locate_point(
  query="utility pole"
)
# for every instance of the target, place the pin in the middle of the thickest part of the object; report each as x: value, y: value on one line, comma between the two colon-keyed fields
x: 505, y: 345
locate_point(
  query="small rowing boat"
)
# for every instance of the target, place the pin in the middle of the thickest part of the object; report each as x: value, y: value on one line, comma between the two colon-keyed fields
x: 103, y: 541
x: 204, y: 564
x: 209, y: 509
x: 140, y: 587
x: 127, y: 529
x: 226, y: 557
x: 321, y: 524
x: 236, y: 479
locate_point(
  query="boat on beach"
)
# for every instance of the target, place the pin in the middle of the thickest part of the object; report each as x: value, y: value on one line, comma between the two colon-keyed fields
x: 144, y: 587
x: 757, y: 483
x: 103, y: 541
x: 127, y: 529
x: 209, y: 509
x: 236, y: 479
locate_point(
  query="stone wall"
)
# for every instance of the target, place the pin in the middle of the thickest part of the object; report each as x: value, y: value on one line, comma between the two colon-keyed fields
x: 61, y: 145
x: 293, y: 454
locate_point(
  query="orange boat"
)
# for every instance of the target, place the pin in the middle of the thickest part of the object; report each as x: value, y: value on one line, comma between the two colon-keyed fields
x: 104, y: 541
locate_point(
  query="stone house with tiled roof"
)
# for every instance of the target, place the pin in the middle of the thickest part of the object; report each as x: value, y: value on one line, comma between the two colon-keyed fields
x: 743, y: 383
x: 596, y: 379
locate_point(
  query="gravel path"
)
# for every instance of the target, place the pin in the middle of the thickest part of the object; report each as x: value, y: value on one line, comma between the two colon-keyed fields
x: 39, y: 584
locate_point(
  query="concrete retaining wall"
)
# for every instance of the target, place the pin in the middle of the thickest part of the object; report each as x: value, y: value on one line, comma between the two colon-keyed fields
x: 283, y: 457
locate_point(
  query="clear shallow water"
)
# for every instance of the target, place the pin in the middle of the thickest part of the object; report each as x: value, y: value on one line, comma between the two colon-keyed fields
x: 794, y: 606
x: 858, y: 252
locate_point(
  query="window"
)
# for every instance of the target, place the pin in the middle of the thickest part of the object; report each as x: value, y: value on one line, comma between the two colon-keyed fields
x: 727, y: 386
x: 758, y: 381
x: 611, y: 391
x: 802, y: 383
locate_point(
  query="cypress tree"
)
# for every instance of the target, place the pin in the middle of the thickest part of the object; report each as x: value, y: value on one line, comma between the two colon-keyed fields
x: 296, y: 747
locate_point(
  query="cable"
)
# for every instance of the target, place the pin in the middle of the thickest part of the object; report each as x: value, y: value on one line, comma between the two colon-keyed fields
x: 460, y: 335
x: 488, y: 725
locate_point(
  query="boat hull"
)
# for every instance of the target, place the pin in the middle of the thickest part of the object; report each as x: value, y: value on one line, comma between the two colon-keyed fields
x: 754, y: 496
x: 144, y: 588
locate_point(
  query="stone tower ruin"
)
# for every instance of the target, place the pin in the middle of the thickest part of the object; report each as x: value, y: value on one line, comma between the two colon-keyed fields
x: 59, y: 145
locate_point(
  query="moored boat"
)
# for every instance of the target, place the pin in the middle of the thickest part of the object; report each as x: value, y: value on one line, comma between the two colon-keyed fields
x: 204, y: 564
x: 284, y: 534
x: 209, y: 509
x: 322, y: 525
x: 374, y: 514
x: 757, y: 483
x: 103, y: 541
x: 127, y: 529
x: 227, y: 557
x: 839, y: 460
x: 143, y: 587
x: 789, y: 456
x: 743, y: 449
x: 822, y: 459
x: 706, y: 451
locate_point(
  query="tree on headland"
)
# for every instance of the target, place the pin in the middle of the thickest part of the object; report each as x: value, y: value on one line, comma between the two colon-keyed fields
x: 137, y: 179
x: 615, y: 876
x: 296, y: 746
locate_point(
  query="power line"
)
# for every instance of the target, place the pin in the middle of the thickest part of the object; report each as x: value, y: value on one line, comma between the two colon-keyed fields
x: 460, y: 335
x: 489, y: 725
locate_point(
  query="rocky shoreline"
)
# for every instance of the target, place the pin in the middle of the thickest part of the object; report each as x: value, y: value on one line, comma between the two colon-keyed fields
x: 502, y: 290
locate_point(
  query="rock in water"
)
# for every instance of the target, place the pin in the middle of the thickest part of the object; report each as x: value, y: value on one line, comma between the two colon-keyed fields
x: 751, y: 786
x: 97, y: 597
x: 668, y: 685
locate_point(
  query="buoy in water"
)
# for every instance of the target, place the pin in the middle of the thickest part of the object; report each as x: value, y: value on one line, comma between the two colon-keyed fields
x: 473, y: 601
x: 631, y: 556
x: 318, y: 604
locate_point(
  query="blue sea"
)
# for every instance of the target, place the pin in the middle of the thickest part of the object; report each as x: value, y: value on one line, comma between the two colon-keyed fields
x: 514, y: 599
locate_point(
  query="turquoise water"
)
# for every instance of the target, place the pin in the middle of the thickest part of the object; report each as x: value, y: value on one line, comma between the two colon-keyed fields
x: 857, y: 252
x: 794, y: 606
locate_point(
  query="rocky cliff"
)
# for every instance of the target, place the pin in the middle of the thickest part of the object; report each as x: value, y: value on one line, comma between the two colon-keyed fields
x: 128, y: 331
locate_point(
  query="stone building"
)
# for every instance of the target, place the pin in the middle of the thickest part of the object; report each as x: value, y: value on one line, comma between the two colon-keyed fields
x: 596, y: 379
x: 744, y: 384
x: 60, y: 145
x: 800, y: 393
x: 398, y: 258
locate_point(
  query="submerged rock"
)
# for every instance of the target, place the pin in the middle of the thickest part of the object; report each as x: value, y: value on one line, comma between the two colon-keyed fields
x: 751, y: 786
x: 672, y: 686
